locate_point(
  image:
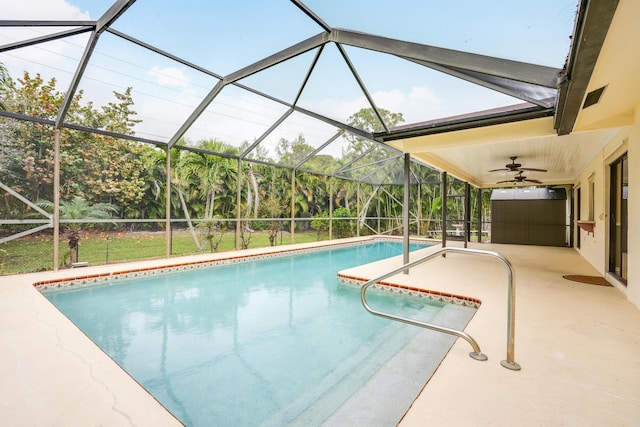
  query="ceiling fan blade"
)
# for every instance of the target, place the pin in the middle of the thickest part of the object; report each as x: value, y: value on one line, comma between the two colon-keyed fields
x: 500, y: 170
x: 533, y: 169
x: 535, y: 181
x: 502, y: 182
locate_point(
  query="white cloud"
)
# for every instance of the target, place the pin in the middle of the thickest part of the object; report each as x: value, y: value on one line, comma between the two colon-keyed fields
x: 424, y: 94
x: 52, y: 59
x: 392, y: 100
x: 170, y: 76
x: 42, y: 9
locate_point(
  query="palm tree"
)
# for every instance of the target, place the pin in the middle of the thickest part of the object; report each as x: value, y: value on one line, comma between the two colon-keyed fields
x: 5, y: 86
x: 209, y: 171
x: 79, y: 208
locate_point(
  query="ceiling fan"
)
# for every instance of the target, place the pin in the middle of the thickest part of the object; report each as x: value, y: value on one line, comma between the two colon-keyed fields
x: 516, y: 167
x: 519, y: 179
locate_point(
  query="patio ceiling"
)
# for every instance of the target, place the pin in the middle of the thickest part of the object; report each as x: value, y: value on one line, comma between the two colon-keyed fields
x: 250, y: 76
x: 605, y: 57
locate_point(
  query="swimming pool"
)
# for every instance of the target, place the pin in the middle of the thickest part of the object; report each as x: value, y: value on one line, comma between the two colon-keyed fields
x: 268, y: 342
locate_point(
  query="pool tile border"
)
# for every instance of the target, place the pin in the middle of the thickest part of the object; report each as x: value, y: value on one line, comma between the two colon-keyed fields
x: 357, y: 282
x: 86, y: 280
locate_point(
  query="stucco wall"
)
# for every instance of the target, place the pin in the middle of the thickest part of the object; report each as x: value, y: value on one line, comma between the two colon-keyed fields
x: 633, y: 286
x: 594, y: 248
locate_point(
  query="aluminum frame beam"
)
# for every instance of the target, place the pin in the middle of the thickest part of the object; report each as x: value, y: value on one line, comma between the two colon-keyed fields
x: 113, y: 13
x: 311, y: 15
x: 513, y: 70
x: 319, y: 149
x: 265, y: 134
x: 520, y: 90
x: 363, y: 87
x: 46, y: 23
x: 45, y: 38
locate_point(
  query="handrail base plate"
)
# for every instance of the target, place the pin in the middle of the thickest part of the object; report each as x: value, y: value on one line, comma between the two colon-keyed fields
x: 478, y: 356
x: 510, y: 365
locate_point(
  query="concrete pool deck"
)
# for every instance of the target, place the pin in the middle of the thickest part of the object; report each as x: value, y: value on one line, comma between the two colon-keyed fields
x: 578, y: 346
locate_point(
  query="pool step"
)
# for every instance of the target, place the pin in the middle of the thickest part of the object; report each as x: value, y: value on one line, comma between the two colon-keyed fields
x: 322, y: 400
x: 396, y: 385
x: 353, y: 393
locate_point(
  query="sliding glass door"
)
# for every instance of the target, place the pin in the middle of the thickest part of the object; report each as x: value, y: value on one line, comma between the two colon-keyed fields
x: 619, y: 219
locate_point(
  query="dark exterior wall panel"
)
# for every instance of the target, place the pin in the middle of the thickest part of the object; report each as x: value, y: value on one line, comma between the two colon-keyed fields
x: 529, y: 222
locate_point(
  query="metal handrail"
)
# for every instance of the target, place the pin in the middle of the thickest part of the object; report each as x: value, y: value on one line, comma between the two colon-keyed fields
x: 509, y: 363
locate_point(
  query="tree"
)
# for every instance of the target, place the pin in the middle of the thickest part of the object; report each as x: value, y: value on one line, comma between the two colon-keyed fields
x: 79, y: 208
x: 320, y: 223
x: 367, y: 120
x: 342, y: 227
x: 291, y: 153
x: 5, y: 85
x: 98, y: 168
x: 272, y: 208
x: 210, y: 173
x: 212, y: 230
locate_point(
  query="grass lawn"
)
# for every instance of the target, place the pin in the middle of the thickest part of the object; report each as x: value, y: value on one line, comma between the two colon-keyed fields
x: 35, y: 253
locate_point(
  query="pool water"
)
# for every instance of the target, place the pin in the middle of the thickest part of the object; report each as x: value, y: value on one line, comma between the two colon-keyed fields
x: 268, y: 342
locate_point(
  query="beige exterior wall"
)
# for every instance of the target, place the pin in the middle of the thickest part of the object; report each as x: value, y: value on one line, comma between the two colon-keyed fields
x: 633, y: 287
x: 594, y: 247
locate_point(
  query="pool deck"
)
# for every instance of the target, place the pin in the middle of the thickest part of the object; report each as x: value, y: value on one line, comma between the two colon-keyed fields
x: 578, y: 346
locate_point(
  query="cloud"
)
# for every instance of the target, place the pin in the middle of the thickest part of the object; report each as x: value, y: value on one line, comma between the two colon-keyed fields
x: 415, y: 104
x: 424, y: 94
x: 42, y: 9
x: 170, y: 76
x: 55, y: 58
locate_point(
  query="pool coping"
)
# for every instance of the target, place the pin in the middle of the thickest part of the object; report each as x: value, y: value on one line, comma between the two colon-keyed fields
x: 221, y: 259
x: 93, y: 279
x: 414, y: 291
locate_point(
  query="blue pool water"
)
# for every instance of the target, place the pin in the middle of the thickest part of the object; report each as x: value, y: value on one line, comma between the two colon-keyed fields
x: 251, y: 343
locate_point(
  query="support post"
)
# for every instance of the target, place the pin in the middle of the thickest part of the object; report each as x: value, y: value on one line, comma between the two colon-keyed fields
x: 238, y: 200
x: 444, y: 190
x: 293, y: 207
x: 56, y: 200
x: 479, y: 215
x: 330, y: 208
x: 467, y: 213
x: 405, y: 210
x: 167, y: 207
x: 378, y: 193
x: 419, y: 210
x: 358, y: 209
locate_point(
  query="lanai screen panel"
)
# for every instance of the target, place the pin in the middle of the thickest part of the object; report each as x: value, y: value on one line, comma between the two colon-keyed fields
x: 236, y: 117
x: 522, y: 31
x: 418, y: 91
x: 296, y: 138
x: 219, y: 36
x: 276, y: 57
x: 53, y: 59
x: 164, y: 92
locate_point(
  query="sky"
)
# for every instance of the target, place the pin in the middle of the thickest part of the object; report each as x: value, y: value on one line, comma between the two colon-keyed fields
x: 226, y: 36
